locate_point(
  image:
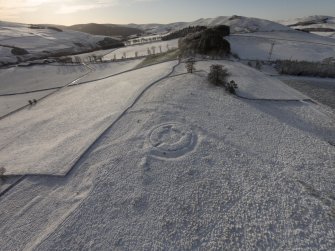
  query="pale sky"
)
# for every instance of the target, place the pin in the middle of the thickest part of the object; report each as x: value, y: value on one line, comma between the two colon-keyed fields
x: 69, y: 12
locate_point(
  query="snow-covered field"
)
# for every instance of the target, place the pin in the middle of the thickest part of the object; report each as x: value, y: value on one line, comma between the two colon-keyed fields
x: 142, y: 50
x: 49, y: 137
x: 292, y: 45
x: 107, y: 69
x: 27, y: 81
x: 11, y: 103
x: 148, y: 160
x: 187, y: 167
x: 38, y: 77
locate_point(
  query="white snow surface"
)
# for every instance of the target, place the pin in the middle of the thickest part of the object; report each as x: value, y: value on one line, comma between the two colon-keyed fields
x: 238, y: 24
x: 317, y: 21
x: 292, y: 45
x: 11, y: 103
x: 239, y: 174
x: 49, y: 137
x: 142, y: 49
x: 254, y: 84
x: 102, y: 70
x: 38, y: 77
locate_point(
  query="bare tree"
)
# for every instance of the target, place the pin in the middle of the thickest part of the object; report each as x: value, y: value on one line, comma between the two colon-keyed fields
x: 77, y: 59
x: 153, y: 48
x: 190, y: 65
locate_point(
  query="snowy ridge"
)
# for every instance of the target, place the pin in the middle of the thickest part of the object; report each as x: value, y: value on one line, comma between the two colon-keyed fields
x: 237, y: 23
x: 309, y: 20
x: 320, y: 25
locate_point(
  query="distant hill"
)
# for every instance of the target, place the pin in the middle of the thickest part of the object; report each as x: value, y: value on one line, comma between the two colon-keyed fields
x: 321, y: 25
x: 105, y: 29
x: 22, y: 42
x: 238, y: 24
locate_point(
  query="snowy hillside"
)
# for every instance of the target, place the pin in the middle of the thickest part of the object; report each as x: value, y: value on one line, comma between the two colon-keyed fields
x: 321, y: 25
x: 38, y: 42
x: 238, y: 24
x: 293, y: 45
x: 142, y: 50
x: 185, y: 167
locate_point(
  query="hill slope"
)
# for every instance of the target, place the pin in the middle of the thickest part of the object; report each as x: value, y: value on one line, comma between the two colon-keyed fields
x: 20, y: 42
x: 105, y: 29
x: 187, y: 167
x: 237, y: 23
x: 321, y: 25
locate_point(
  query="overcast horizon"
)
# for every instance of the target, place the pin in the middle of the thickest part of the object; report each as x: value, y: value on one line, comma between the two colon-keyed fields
x: 68, y: 12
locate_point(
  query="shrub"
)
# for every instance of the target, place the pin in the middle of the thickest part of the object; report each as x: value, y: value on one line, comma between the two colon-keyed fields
x: 217, y: 75
x: 258, y: 65
x: 231, y: 87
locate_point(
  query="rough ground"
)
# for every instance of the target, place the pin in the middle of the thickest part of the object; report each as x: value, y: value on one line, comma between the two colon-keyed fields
x: 188, y: 167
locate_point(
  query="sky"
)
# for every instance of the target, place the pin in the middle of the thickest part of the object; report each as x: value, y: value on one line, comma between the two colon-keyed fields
x: 68, y: 12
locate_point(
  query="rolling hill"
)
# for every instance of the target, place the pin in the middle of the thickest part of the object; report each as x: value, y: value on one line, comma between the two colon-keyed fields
x: 105, y: 29
x: 237, y: 24
x: 21, y: 42
x: 321, y: 25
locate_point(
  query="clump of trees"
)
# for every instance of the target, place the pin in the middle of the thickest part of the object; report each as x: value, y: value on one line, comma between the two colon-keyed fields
x: 207, y: 42
x: 19, y: 51
x: 183, y: 32
x: 324, y: 69
x: 223, y: 30
x: 218, y: 76
x: 109, y: 43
